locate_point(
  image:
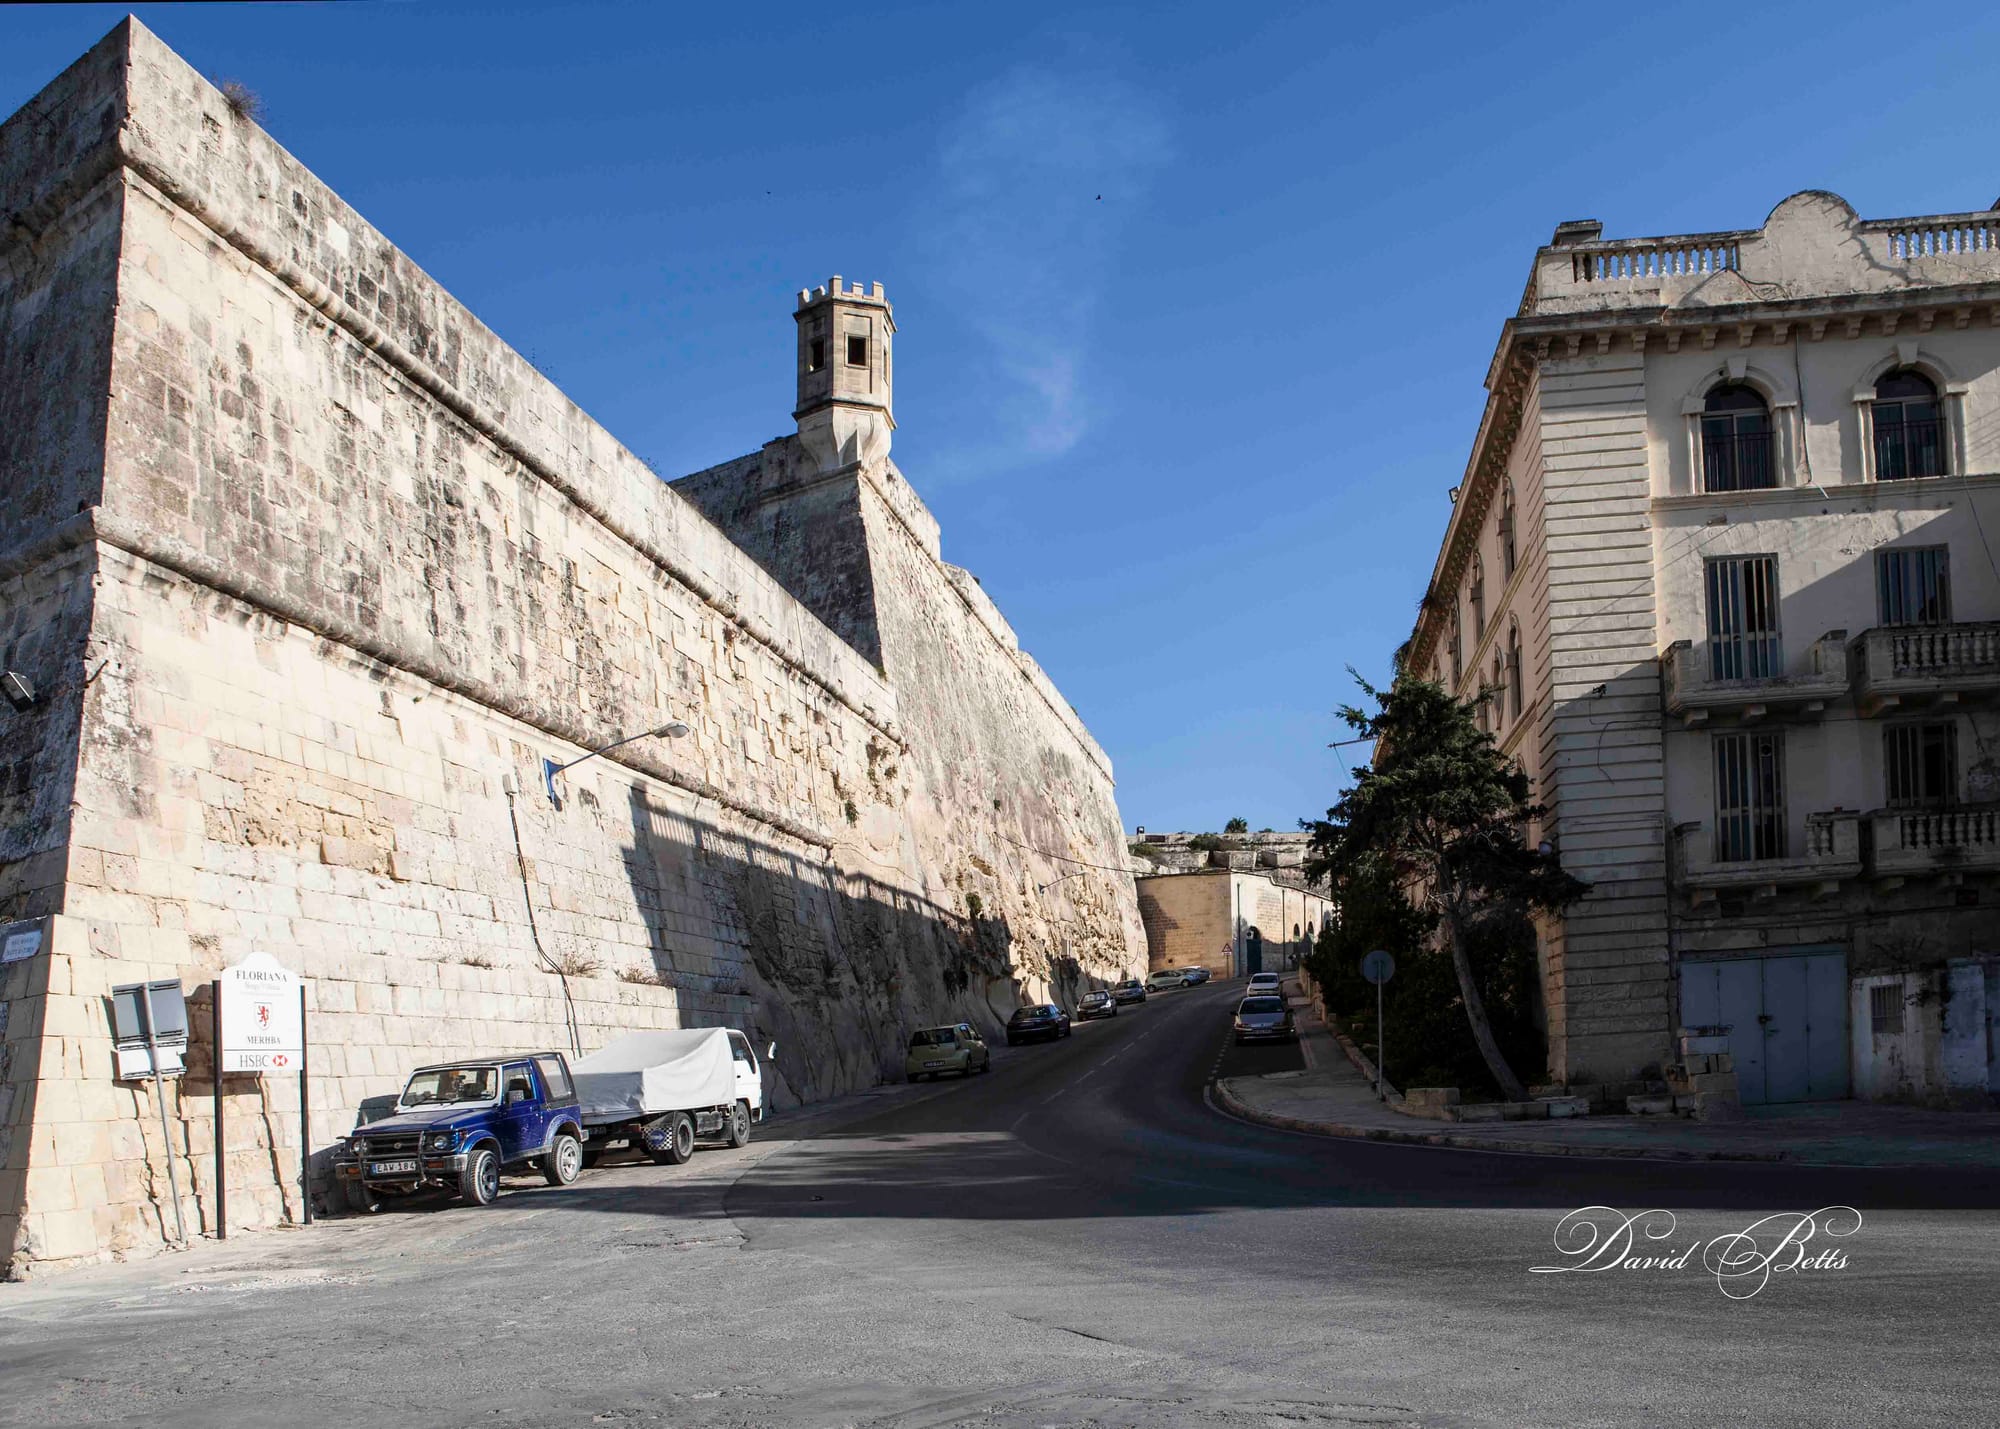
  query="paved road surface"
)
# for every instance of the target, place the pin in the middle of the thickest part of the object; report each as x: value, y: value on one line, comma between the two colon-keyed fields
x: 1077, y: 1239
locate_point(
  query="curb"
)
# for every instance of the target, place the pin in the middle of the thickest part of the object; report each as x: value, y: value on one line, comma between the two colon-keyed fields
x: 1235, y: 1106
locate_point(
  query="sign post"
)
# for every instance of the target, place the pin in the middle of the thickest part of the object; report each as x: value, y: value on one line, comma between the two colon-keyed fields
x: 261, y: 1027
x: 221, y: 1166
x: 1378, y: 967
x: 152, y: 1017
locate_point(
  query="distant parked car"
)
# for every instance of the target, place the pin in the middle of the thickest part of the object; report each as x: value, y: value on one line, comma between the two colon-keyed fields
x: 1130, y: 990
x: 1263, y: 1018
x: 1037, y: 1019
x: 1194, y: 977
x: 934, y: 1051
x: 1263, y: 982
x: 1096, y: 1004
x: 1165, y: 981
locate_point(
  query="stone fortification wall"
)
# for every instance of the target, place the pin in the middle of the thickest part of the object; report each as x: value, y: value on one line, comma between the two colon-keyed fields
x: 1013, y: 801
x: 1011, y: 807
x: 358, y: 570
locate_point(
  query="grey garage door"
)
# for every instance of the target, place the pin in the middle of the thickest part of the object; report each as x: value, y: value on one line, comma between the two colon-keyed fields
x: 1786, y: 1012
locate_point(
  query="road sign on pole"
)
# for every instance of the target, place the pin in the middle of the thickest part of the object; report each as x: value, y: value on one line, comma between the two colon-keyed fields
x: 263, y: 1028
x: 1378, y: 967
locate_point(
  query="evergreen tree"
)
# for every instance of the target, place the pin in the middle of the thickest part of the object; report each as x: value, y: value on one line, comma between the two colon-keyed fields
x: 1439, y: 815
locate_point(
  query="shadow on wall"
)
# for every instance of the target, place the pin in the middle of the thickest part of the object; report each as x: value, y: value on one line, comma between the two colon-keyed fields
x: 837, y: 966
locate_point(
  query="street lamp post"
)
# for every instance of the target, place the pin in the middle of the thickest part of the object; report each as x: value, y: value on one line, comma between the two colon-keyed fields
x: 672, y: 729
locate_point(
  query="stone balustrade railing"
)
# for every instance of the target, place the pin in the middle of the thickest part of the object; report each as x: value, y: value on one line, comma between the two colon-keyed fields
x: 1924, y: 840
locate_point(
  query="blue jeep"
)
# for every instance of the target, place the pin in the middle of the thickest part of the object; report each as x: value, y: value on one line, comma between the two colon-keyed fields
x: 458, y: 1125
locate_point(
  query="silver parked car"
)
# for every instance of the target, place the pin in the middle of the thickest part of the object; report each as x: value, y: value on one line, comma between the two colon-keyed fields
x: 1262, y: 1017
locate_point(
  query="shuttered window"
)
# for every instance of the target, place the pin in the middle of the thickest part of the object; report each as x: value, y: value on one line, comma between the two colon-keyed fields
x: 1749, y: 797
x: 1913, y: 585
x: 1743, y: 640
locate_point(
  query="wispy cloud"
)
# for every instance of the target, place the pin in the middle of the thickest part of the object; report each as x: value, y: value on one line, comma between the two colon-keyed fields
x: 1039, y: 177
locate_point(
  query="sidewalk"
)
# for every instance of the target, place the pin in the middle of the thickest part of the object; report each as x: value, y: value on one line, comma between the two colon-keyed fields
x: 1332, y: 1098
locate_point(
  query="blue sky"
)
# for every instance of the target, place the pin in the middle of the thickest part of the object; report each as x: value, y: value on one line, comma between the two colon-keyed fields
x: 1194, y: 302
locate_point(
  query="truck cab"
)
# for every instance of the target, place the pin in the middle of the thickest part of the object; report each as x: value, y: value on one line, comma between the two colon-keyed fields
x: 458, y: 1125
x: 749, y: 1075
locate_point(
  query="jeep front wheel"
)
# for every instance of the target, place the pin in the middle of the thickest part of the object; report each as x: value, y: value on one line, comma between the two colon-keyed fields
x: 564, y: 1162
x: 479, y: 1182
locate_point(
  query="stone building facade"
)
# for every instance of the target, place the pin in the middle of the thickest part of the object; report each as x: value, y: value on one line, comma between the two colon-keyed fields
x: 310, y: 573
x: 1724, y: 551
x: 1231, y: 922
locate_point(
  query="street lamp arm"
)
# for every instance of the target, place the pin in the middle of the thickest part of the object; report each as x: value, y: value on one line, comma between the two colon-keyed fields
x: 672, y: 729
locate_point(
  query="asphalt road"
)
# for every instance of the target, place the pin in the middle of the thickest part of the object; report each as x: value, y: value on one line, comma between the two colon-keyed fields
x: 1077, y: 1239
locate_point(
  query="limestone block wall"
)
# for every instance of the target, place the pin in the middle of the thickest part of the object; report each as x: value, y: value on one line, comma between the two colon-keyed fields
x: 1012, y: 802
x: 1189, y: 922
x: 1602, y: 761
x: 352, y: 572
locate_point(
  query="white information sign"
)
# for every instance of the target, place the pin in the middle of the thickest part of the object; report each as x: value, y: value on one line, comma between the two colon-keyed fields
x: 20, y: 943
x: 262, y: 1027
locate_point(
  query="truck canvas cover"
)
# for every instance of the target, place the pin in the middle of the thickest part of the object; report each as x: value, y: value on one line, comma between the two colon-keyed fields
x: 647, y: 1073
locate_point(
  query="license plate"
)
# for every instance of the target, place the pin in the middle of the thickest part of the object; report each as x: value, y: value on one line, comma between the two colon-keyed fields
x: 929, y: 1065
x: 392, y: 1168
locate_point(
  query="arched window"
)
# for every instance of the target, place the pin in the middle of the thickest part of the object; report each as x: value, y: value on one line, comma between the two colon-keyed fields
x: 1493, y: 693
x: 1514, y: 679
x: 1476, y: 597
x: 1457, y: 650
x: 1736, y: 440
x: 1909, y: 427
x: 1508, y: 559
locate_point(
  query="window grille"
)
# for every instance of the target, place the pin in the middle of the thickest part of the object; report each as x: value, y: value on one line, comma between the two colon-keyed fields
x: 1913, y: 585
x: 1909, y: 427
x: 1920, y: 764
x: 1743, y: 638
x: 1749, y: 797
x: 1885, y: 1009
x: 1736, y: 440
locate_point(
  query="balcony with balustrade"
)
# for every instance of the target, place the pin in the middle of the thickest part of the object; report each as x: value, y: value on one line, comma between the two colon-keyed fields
x: 1743, y: 678
x: 1907, y: 843
x: 1831, y: 853
x: 1899, y: 667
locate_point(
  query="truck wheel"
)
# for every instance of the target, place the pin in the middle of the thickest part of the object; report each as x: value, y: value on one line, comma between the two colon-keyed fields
x: 564, y: 1163
x: 739, y: 1124
x: 479, y: 1182
x: 676, y: 1141
x: 360, y: 1200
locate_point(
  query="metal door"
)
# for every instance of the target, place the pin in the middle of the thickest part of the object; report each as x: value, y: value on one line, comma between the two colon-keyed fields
x: 1786, y: 1015
x: 1253, y: 951
x: 518, y: 1124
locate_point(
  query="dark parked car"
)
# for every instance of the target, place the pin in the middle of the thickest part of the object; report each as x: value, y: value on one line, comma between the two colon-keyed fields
x: 1037, y: 1019
x: 1260, y: 1017
x: 1130, y: 990
x: 1096, y: 1004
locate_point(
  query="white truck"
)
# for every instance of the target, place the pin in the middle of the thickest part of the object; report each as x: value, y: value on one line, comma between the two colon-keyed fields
x: 659, y: 1091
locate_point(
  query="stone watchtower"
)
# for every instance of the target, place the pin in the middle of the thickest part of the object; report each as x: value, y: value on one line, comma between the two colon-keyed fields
x: 845, y: 337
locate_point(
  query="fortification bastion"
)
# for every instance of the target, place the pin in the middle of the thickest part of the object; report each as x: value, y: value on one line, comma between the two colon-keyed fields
x: 310, y: 573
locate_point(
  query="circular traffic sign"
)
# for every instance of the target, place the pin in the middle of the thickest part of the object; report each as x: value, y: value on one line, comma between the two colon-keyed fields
x: 1378, y: 967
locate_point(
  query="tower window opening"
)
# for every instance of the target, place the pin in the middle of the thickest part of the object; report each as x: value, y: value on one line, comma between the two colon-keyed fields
x: 857, y: 352
x: 815, y: 354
